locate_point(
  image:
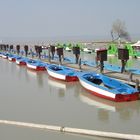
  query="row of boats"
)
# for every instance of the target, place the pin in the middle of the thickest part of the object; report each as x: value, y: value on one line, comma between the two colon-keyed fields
x: 97, y: 84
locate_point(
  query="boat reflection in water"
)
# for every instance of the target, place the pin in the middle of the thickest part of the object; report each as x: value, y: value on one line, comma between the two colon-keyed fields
x: 57, y: 84
x: 97, y: 102
x: 126, y: 110
x: 57, y: 87
x: 60, y: 88
x: 38, y: 75
x: 32, y: 73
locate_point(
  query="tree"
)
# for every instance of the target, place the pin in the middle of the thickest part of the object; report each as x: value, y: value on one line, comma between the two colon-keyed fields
x: 118, y: 31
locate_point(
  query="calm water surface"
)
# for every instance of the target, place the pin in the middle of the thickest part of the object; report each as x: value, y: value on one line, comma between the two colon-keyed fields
x: 35, y: 97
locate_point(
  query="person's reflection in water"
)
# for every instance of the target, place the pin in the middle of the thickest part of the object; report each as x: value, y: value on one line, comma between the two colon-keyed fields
x: 21, y: 71
x: 57, y: 87
x: 40, y: 79
x: 61, y: 92
x: 77, y: 89
x: 12, y: 67
x: 127, y: 110
x: 27, y: 75
x: 125, y: 114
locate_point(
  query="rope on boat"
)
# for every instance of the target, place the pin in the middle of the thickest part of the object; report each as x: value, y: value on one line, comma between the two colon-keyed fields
x: 73, y: 130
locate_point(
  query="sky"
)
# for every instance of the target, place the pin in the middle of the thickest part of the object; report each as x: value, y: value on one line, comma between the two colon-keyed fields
x: 45, y: 19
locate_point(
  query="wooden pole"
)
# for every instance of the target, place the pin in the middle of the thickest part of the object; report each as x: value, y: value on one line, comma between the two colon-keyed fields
x: 73, y: 130
x: 130, y: 76
x: 80, y: 64
x: 137, y: 84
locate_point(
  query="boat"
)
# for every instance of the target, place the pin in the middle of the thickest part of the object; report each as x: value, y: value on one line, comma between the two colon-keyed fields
x: 87, y: 50
x: 1, y: 53
x: 69, y: 60
x: 68, y: 49
x: 114, y: 68
x: 107, y: 88
x: 21, y: 60
x: 4, y: 55
x: 12, y: 57
x: 62, y: 73
x: 133, y: 71
x: 112, y: 50
x: 89, y: 63
x: 36, y: 65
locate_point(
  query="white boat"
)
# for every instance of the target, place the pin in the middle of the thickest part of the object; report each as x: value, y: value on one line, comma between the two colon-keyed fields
x: 87, y: 50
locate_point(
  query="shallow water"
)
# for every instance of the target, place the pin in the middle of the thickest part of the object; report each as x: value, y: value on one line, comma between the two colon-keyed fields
x: 30, y: 96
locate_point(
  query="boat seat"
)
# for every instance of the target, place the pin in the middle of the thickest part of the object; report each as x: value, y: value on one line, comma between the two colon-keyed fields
x: 56, y: 68
x: 94, y: 80
x: 122, y: 90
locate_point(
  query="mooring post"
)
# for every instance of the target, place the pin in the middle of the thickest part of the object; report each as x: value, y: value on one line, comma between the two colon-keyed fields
x: 80, y: 64
x: 101, y: 66
x: 49, y: 56
x: 137, y: 84
x: 101, y: 56
x: 130, y: 76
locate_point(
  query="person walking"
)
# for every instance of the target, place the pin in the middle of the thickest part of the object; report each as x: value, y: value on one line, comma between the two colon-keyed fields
x: 26, y: 50
x: 60, y: 53
x: 18, y: 49
x: 52, y: 50
x: 76, y: 52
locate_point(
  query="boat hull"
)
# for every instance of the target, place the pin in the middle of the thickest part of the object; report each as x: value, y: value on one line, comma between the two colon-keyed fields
x: 5, y: 56
x: 108, y: 95
x: 36, y: 68
x: 20, y: 62
x: 11, y: 59
x: 62, y: 77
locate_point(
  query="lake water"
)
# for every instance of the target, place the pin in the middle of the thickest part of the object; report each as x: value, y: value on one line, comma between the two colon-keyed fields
x: 34, y: 97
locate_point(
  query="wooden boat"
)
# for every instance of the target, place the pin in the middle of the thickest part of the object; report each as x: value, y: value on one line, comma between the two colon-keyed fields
x: 36, y: 65
x: 62, y: 73
x: 108, y: 88
x: 21, y: 60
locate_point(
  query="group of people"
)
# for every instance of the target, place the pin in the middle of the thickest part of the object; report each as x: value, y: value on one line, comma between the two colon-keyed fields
x: 38, y: 50
x: 60, y: 53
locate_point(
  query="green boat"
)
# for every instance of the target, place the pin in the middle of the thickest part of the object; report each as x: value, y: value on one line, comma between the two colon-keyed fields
x: 131, y: 50
x: 112, y: 50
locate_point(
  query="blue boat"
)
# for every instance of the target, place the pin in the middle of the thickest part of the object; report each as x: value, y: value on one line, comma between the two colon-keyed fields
x: 133, y: 71
x: 116, y: 68
x: 36, y: 65
x: 4, y: 55
x: 62, y: 73
x: 111, y: 67
x: 107, y: 88
x: 13, y: 57
x: 89, y: 63
x: 22, y: 60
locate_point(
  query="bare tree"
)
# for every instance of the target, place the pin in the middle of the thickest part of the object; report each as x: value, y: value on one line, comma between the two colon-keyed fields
x: 118, y: 31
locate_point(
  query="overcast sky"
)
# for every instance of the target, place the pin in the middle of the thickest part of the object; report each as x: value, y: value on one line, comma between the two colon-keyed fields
x: 66, y: 18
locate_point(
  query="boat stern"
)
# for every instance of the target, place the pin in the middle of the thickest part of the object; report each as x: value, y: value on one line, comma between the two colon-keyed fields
x: 71, y: 78
x: 127, y: 97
